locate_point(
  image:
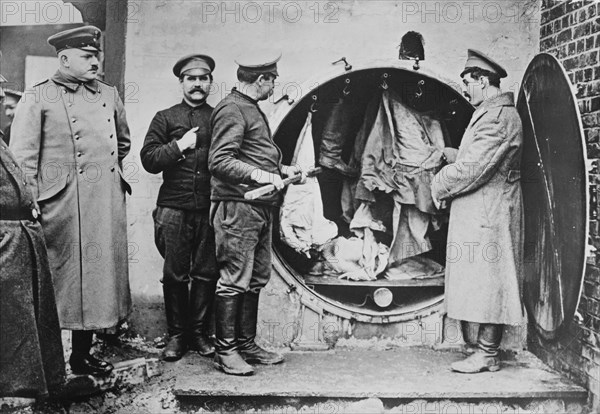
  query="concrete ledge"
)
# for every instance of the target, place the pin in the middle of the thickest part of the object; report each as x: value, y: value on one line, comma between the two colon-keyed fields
x: 408, y: 373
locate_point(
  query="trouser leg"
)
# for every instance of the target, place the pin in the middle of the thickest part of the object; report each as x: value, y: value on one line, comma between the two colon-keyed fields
x: 173, y: 232
x: 204, y: 276
x: 489, y: 338
x: 333, y: 139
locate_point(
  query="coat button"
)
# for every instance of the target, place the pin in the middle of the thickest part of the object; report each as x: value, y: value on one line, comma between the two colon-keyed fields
x: 111, y: 135
x: 70, y: 104
x: 108, y: 119
x: 80, y: 171
x: 112, y: 169
x: 74, y: 120
x: 76, y: 136
x: 64, y: 90
x: 34, y: 213
x: 112, y: 153
x: 79, y: 154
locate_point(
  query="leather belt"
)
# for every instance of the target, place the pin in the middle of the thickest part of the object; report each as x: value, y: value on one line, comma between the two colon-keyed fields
x: 22, y: 214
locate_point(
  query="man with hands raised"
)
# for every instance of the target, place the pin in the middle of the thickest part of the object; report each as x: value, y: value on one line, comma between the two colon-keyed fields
x: 177, y: 145
x: 243, y: 157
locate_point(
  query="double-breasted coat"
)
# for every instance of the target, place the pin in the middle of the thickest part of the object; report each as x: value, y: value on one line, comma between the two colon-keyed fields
x: 484, y: 260
x: 70, y: 140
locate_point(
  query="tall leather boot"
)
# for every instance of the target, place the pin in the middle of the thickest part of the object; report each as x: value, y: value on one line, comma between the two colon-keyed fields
x: 227, y: 357
x: 201, y: 301
x: 333, y: 140
x: 247, y: 318
x: 486, y: 357
x: 176, y: 307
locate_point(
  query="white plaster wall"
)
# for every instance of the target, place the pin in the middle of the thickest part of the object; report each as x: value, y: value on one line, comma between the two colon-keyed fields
x: 311, y: 34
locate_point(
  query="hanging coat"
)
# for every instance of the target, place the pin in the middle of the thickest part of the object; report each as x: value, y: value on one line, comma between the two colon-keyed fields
x: 484, y: 262
x: 70, y: 139
x: 302, y: 224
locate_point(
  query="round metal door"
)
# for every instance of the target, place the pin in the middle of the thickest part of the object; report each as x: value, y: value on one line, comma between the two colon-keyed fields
x: 555, y: 196
x: 424, y: 89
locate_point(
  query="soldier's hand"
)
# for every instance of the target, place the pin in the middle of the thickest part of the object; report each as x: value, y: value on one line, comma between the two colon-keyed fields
x: 450, y: 154
x: 264, y: 177
x: 188, y: 140
x: 291, y: 170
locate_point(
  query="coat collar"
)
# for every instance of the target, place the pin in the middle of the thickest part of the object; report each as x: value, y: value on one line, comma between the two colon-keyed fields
x: 504, y: 99
x: 72, y: 85
x: 236, y: 92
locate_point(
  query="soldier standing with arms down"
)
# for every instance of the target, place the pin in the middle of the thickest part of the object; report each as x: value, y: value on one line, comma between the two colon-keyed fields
x: 177, y: 145
x: 483, y: 183
x: 70, y: 136
x: 243, y: 157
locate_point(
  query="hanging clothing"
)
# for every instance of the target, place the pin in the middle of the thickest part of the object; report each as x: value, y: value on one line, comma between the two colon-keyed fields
x: 403, y: 152
x: 302, y: 224
x: 400, y: 155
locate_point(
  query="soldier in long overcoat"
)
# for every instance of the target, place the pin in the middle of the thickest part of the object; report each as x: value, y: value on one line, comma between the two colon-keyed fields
x: 484, y: 260
x: 70, y: 136
x: 31, y: 353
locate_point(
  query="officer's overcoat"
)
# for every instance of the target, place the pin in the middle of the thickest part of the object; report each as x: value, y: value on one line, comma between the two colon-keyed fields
x: 484, y: 261
x: 70, y: 140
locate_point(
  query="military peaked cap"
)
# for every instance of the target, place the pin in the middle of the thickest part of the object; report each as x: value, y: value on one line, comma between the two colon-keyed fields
x: 194, y: 61
x: 85, y: 38
x: 476, y: 59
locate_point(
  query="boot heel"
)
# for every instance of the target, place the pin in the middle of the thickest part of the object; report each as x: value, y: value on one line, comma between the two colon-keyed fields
x: 494, y: 368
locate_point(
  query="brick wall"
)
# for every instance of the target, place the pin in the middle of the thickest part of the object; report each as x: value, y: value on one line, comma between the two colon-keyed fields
x: 570, y: 30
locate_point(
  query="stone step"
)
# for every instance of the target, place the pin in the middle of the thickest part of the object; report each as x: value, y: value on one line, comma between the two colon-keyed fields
x: 398, y: 374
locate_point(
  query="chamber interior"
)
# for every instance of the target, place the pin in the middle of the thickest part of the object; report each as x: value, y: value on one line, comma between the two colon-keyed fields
x: 360, y: 92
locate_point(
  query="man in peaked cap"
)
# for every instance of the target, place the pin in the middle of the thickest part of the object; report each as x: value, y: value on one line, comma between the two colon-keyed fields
x: 177, y: 145
x: 70, y: 134
x: 31, y: 353
x: 483, y: 185
x: 243, y: 157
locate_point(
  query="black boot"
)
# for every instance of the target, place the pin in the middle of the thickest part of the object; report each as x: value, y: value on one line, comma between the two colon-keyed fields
x: 247, y: 318
x: 333, y: 140
x: 176, y: 306
x: 82, y: 363
x: 227, y: 358
x: 486, y: 357
x: 201, y: 302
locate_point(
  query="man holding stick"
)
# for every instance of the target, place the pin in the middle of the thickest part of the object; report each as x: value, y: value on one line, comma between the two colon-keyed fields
x: 242, y: 158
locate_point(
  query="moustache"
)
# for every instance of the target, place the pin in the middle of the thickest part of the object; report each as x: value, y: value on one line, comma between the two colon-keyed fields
x: 197, y: 90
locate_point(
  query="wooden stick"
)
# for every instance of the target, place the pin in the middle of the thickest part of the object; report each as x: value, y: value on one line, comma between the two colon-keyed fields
x: 269, y: 188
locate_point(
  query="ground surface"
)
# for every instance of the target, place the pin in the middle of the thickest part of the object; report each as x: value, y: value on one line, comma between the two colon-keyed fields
x: 339, y: 381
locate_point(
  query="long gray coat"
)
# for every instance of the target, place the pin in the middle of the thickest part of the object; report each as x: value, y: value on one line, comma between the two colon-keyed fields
x: 484, y: 261
x: 70, y: 139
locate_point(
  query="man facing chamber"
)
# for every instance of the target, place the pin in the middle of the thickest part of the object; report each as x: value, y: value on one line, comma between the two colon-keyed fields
x: 483, y: 285
x: 243, y: 157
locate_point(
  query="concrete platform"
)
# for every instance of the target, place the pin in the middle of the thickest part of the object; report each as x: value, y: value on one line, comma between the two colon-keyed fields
x: 404, y: 373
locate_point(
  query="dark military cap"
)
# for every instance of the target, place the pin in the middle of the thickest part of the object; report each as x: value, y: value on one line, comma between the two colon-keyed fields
x: 259, y: 63
x: 85, y: 38
x: 10, y: 92
x: 194, y: 61
x: 476, y: 59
